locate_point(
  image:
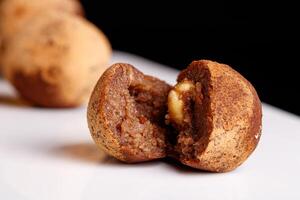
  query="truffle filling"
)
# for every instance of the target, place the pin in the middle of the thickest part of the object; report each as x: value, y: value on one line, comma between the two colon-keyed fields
x: 141, y: 128
x: 184, y: 104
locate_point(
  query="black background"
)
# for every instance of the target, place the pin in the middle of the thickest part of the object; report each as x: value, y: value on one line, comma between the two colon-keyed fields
x: 259, y: 41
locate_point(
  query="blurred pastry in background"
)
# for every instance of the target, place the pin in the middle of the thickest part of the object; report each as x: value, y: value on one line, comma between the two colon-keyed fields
x: 56, y: 59
x: 14, y: 14
x: 0, y: 55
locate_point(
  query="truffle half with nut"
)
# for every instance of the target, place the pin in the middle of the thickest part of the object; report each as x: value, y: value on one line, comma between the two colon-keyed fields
x: 15, y: 14
x: 56, y: 61
x: 217, y: 116
x: 126, y: 114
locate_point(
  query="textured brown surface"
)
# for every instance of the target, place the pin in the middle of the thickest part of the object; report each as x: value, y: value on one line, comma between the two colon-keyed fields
x: 219, y: 128
x: 226, y: 118
x: 57, y: 60
x: 0, y: 55
x: 126, y: 114
x: 15, y: 14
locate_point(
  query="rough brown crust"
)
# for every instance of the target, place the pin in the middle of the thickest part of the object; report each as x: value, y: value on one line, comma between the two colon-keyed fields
x: 126, y: 114
x: 227, y: 126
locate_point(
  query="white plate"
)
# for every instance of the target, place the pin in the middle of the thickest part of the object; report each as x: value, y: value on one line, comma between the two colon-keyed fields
x: 49, y: 154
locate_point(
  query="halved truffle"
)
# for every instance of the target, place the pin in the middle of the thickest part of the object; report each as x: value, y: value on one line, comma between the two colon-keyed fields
x: 126, y: 114
x: 217, y: 115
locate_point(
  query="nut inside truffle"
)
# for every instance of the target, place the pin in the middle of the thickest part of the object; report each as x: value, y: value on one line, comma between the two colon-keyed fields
x: 214, y: 113
x: 185, y: 111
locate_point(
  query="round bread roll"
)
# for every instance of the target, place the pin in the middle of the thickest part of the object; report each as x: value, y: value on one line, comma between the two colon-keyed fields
x: 126, y: 114
x: 56, y: 61
x: 14, y: 14
x: 217, y: 115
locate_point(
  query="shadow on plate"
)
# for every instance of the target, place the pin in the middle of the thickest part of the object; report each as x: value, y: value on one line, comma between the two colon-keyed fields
x: 19, y: 102
x: 89, y: 153
x: 183, y: 169
x: 84, y: 152
x: 12, y: 101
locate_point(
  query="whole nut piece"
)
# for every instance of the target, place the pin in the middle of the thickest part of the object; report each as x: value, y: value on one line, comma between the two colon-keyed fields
x: 175, y: 101
x: 56, y: 61
x: 126, y: 114
x: 220, y: 123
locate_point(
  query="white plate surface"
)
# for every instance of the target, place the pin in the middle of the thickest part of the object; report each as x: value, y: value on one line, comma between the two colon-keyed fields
x: 49, y: 154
